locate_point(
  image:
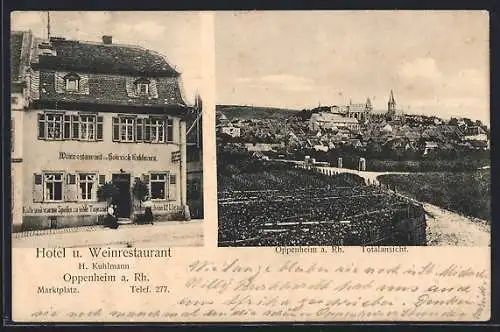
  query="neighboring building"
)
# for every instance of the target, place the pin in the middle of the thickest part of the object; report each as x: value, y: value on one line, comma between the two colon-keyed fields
x: 360, y: 112
x: 261, y: 147
x: 475, y: 133
x: 332, y: 121
x: 230, y: 130
x: 194, y: 155
x: 97, y: 113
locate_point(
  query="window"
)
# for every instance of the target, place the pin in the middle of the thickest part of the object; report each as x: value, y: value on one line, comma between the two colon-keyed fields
x: 86, y: 183
x: 53, y: 126
x: 87, y: 127
x: 127, y: 129
x: 157, y: 131
x: 53, y: 188
x: 142, y: 87
x: 151, y: 130
x: 158, y: 184
x: 72, y: 82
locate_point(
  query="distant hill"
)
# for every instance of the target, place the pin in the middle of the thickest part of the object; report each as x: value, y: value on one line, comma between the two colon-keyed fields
x: 255, y: 112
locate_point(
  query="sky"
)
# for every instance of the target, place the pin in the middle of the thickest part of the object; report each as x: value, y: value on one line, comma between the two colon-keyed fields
x: 176, y: 35
x: 436, y: 62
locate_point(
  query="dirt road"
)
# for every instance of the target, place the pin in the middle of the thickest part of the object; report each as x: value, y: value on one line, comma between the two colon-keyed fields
x: 446, y: 228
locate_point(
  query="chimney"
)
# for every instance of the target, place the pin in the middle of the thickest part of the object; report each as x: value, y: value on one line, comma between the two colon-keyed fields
x: 107, y: 40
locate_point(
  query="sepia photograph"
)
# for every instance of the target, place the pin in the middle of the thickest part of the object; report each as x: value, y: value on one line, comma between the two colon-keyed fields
x: 353, y: 128
x: 106, y: 121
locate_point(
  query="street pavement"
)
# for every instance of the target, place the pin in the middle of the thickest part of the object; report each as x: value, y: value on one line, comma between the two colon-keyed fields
x: 161, y: 234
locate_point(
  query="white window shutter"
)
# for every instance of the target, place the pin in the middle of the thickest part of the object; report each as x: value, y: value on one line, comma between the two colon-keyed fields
x: 84, y: 85
x: 172, y: 187
x: 37, y: 188
x: 130, y: 86
x: 71, y: 188
x: 60, y: 82
x: 153, y: 90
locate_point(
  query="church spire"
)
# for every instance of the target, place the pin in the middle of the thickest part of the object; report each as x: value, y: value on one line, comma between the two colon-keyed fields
x: 391, y: 104
x: 391, y: 98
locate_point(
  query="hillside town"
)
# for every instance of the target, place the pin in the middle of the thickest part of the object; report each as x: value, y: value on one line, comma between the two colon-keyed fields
x: 355, y: 127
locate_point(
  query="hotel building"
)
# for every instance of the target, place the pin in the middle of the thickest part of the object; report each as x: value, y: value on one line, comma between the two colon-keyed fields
x: 86, y: 115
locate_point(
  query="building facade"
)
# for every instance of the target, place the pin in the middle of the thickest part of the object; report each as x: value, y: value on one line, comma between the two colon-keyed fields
x: 325, y: 120
x: 96, y: 115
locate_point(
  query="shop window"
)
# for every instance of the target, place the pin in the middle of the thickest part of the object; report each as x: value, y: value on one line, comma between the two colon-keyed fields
x: 158, y: 184
x: 86, y: 183
x: 53, y: 186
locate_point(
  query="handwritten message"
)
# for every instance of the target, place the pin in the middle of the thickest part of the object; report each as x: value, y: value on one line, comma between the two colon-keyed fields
x: 196, y: 286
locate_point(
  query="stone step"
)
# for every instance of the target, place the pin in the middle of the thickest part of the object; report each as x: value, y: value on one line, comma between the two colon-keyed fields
x: 124, y: 221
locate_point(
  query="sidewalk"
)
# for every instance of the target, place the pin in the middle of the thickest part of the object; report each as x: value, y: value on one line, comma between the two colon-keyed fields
x: 171, y: 234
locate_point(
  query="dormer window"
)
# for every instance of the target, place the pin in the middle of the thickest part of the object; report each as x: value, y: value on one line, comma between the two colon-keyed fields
x: 72, y: 82
x: 142, y: 86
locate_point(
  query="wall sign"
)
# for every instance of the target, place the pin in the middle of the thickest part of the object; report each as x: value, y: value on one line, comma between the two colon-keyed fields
x: 108, y: 156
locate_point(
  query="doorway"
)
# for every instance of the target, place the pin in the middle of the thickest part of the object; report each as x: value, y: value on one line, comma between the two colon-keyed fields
x: 123, y: 199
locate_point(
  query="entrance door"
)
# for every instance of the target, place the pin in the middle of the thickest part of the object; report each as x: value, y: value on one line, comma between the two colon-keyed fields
x: 123, y: 200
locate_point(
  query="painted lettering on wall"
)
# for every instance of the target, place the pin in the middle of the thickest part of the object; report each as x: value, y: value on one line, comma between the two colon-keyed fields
x: 166, y: 207
x: 85, y: 209
x: 108, y: 156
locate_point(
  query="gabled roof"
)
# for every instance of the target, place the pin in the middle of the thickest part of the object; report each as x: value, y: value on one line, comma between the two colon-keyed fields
x: 105, y: 58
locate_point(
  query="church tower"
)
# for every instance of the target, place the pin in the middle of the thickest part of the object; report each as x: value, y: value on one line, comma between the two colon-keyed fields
x: 391, y: 105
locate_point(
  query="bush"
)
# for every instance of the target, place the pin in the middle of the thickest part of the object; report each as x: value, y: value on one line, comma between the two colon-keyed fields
x: 465, y: 192
x: 107, y: 192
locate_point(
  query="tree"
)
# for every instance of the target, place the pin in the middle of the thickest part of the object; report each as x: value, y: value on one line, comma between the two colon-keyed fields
x: 107, y: 192
x: 140, y: 190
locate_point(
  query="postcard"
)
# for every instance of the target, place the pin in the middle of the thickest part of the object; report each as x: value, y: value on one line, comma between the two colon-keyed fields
x: 250, y: 166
